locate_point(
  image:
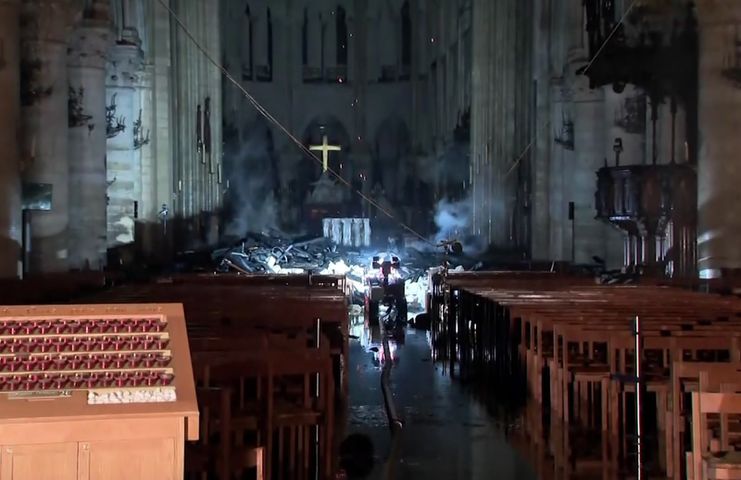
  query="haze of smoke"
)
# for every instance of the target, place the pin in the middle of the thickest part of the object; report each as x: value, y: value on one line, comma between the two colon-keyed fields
x: 255, y: 208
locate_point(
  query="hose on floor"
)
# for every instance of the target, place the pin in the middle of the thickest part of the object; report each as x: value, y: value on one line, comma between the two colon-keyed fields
x: 395, y: 423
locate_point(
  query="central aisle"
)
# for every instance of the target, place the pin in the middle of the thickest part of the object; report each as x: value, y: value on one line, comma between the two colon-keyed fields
x: 447, y: 434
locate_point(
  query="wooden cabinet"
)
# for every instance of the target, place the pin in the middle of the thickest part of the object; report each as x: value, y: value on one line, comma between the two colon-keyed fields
x: 50, y: 434
x: 56, y: 461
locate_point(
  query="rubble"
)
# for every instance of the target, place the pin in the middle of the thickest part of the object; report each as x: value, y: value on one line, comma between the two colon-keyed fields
x: 274, y: 254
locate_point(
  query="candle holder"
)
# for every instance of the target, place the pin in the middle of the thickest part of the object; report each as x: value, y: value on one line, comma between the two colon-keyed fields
x: 28, y: 328
x: 60, y: 326
x: 14, y: 382
x: 44, y: 362
x: 75, y: 343
x: 58, y: 381
x: 75, y: 380
x: 163, y: 360
x: 122, y: 379
x: 59, y: 363
x: 44, y: 382
x: 102, y: 325
x: 89, y: 344
x: 46, y: 344
x: 91, y: 380
x: 90, y: 362
x: 165, y: 379
x: 59, y: 343
x: 73, y: 326
x: 44, y: 326
x: 12, y: 328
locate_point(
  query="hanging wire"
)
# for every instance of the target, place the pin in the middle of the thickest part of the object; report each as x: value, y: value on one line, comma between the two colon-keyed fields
x: 275, y: 122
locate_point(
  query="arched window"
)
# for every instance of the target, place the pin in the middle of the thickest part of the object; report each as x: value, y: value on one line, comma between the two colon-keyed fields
x: 341, y: 37
x: 270, y: 43
x: 305, y: 39
x: 246, y: 45
x: 406, y: 35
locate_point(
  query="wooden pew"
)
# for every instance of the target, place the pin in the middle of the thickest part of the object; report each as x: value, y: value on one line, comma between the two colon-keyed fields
x: 580, y: 335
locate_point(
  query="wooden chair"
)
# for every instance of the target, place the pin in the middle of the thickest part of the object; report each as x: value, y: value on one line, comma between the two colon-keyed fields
x: 215, y: 452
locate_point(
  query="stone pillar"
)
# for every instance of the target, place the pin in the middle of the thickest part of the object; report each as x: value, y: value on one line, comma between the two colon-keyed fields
x: 148, y: 208
x: 44, y: 97
x: 719, y: 164
x: 87, y: 140
x: 588, y: 156
x: 10, y: 108
x: 123, y: 169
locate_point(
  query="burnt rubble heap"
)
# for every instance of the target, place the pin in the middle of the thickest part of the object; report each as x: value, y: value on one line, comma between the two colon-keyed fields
x: 265, y: 253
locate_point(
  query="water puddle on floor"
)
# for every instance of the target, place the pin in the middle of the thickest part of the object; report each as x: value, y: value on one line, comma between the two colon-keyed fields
x: 452, y: 431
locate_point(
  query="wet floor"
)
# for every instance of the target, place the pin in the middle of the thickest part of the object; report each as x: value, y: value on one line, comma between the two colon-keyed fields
x: 448, y: 434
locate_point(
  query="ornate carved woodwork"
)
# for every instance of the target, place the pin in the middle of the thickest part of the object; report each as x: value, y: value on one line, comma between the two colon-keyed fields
x: 642, y: 200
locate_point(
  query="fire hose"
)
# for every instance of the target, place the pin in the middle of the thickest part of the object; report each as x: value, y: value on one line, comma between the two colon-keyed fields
x: 395, y: 423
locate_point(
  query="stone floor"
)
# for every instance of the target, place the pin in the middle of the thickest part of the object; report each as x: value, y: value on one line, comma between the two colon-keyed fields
x: 447, y: 435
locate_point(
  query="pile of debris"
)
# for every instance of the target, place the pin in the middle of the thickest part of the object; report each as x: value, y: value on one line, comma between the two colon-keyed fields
x: 278, y: 254
x: 260, y: 253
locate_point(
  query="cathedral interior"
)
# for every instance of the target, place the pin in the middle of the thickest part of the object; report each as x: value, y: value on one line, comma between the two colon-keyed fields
x: 573, y: 159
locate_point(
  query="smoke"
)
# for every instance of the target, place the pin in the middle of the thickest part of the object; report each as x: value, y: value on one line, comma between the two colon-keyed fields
x: 453, y: 219
x: 254, y: 207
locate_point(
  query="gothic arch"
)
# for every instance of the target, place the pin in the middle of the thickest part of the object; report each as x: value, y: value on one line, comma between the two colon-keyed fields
x: 392, y: 146
x: 341, y: 35
x: 406, y: 34
x: 246, y: 42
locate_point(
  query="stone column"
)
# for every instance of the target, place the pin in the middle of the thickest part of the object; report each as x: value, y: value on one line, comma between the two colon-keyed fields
x: 540, y: 233
x: 10, y: 108
x: 591, y: 236
x: 44, y: 97
x: 123, y: 169
x: 719, y: 164
x: 87, y: 140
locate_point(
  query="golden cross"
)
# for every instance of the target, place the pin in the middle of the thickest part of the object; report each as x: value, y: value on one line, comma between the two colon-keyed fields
x: 325, y: 148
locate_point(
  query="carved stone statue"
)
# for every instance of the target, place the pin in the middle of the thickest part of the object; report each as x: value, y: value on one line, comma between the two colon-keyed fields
x: 199, y: 129
x: 207, y: 126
